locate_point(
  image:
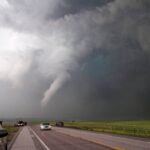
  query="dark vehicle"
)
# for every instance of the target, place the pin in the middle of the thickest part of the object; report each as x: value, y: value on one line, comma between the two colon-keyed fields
x: 1, y: 122
x: 3, y: 133
x: 60, y: 124
x: 25, y: 123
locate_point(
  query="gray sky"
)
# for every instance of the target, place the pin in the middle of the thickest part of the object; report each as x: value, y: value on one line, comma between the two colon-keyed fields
x: 75, y: 59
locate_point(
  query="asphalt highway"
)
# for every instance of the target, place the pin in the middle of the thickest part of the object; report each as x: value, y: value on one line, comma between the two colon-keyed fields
x: 53, y: 140
x: 110, y: 140
x: 32, y: 138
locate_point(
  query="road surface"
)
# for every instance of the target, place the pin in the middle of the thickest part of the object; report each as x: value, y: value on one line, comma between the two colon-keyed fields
x: 71, y: 139
x: 110, y: 140
x: 59, y: 141
x: 32, y: 138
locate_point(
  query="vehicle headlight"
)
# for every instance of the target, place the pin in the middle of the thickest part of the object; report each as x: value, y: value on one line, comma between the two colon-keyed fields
x: 42, y: 127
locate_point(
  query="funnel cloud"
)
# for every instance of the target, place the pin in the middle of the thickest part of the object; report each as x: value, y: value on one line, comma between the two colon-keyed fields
x: 75, y: 59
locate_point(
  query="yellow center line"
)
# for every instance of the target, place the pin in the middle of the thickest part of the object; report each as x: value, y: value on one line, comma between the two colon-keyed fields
x: 103, y: 144
x: 96, y: 141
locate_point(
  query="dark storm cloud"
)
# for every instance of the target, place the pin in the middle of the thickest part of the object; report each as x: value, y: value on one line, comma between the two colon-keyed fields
x: 116, y: 75
x: 86, y: 59
x: 72, y: 7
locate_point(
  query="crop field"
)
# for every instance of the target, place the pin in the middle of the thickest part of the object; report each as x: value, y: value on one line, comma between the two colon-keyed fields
x: 134, y: 128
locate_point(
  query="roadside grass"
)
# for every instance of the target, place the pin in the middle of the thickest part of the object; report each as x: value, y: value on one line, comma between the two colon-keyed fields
x: 11, y: 131
x: 133, y: 128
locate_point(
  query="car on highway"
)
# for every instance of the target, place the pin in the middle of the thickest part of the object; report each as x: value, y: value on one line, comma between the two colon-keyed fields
x: 3, y: 132
x: 20, y: 123
x: 45, y: 126
x: 59, y: 124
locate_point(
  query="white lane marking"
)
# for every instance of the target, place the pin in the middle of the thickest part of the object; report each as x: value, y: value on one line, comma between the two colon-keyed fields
x: 45, y: 146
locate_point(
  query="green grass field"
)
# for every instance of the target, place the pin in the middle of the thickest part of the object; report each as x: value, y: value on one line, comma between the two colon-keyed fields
x: 134, y: 128
x: 11, y: 131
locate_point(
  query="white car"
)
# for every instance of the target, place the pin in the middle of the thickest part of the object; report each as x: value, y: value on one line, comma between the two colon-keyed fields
x: 45, y: 126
